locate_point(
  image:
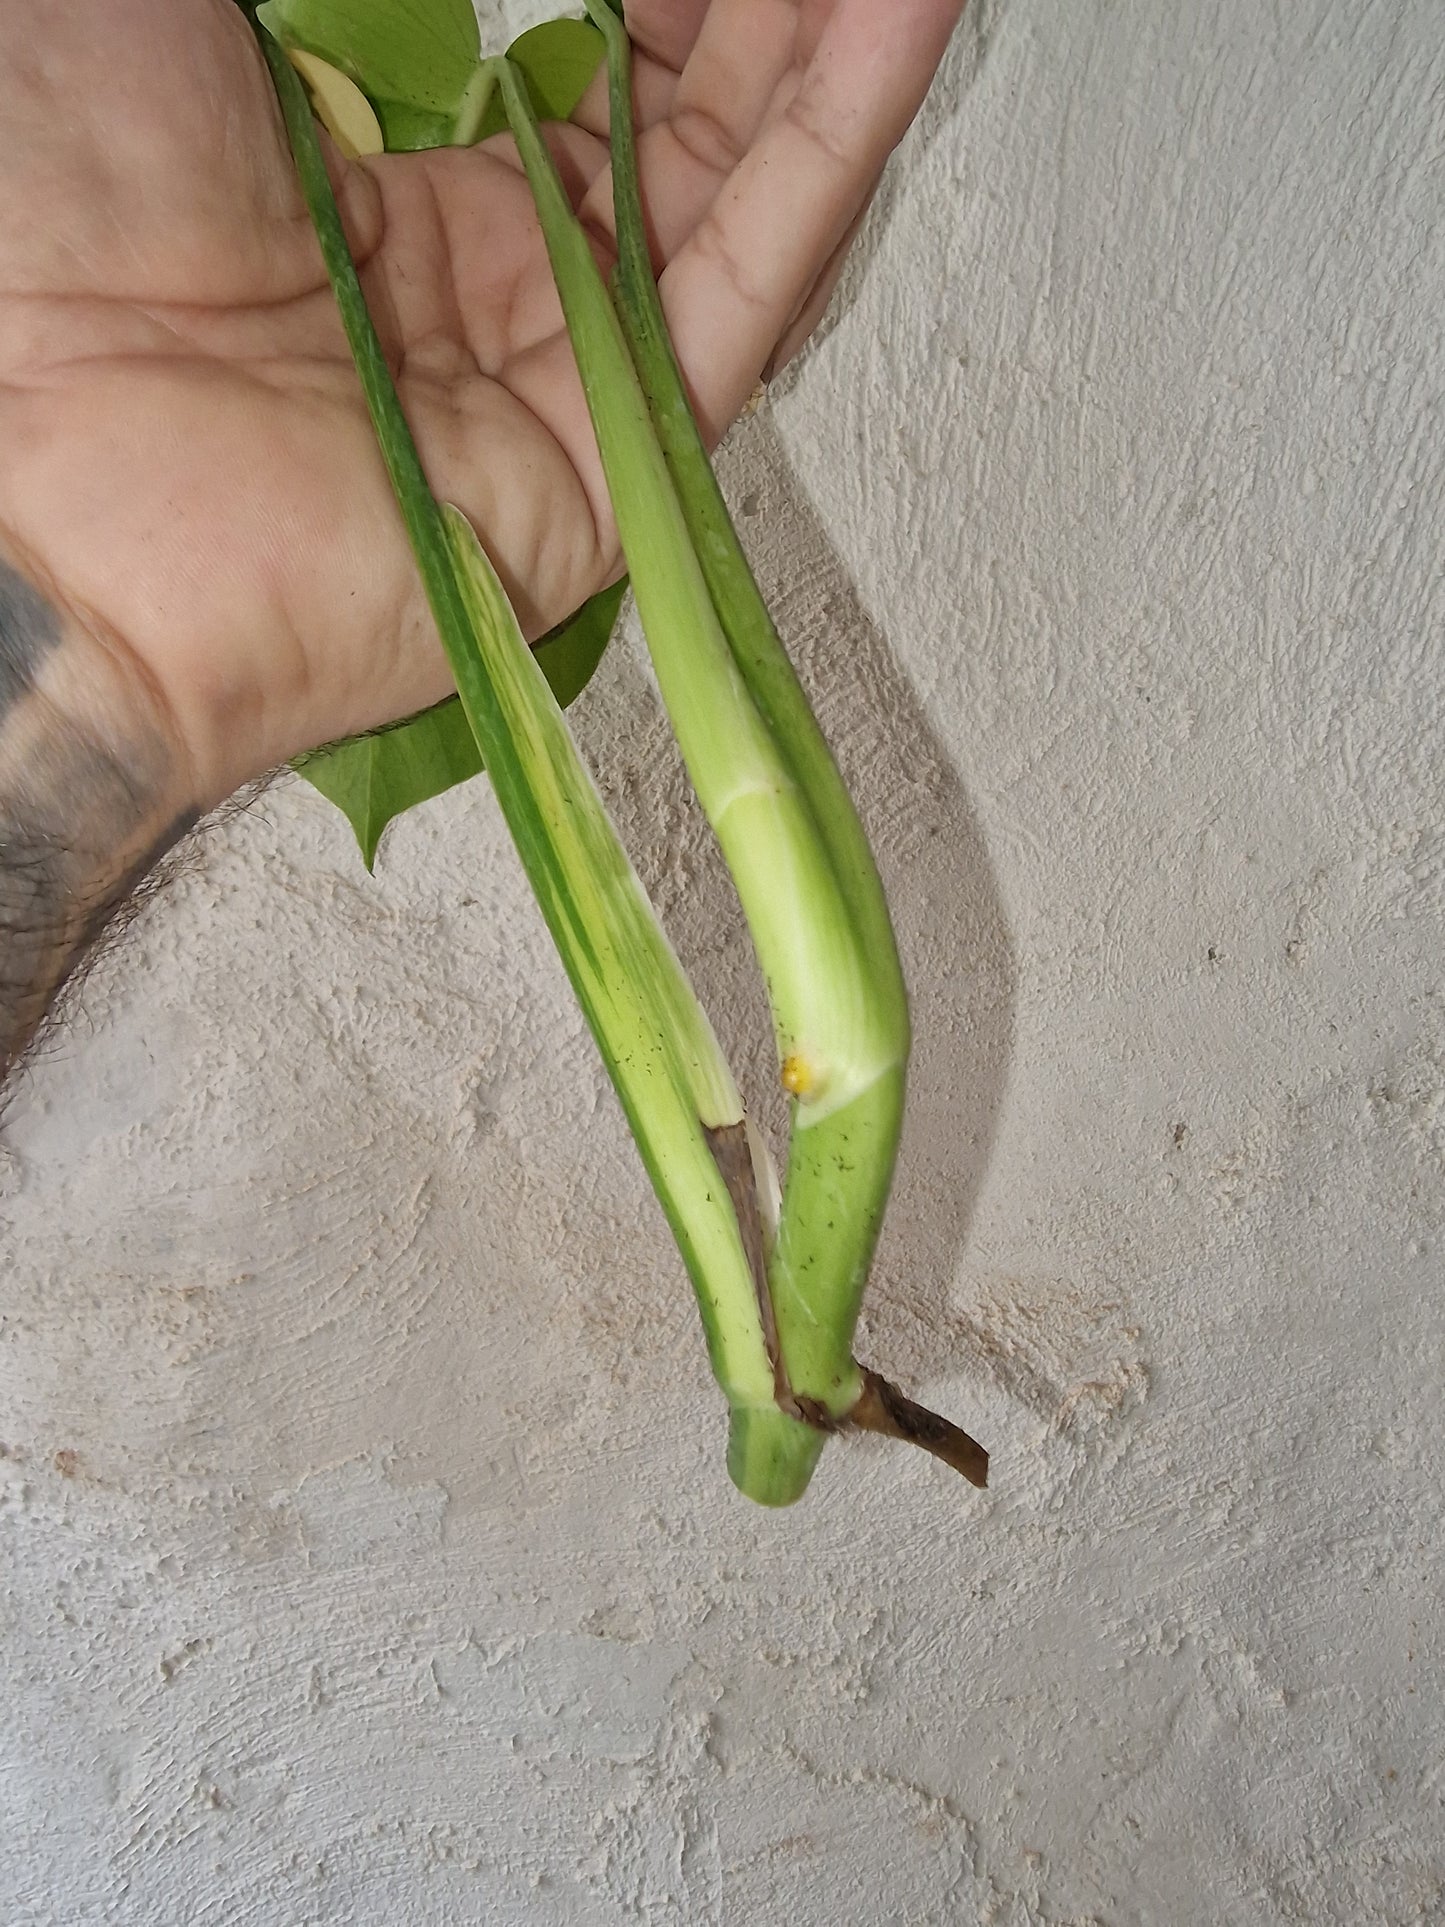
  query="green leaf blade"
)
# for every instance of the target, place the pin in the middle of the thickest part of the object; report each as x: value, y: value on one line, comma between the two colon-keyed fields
x: 407, y: 129
x: 419, y: 63
x: 559, y: 61
x: 374, y: 779
x: 420, y: 53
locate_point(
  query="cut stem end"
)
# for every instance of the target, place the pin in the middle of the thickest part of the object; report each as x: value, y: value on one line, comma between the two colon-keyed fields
x: 771, y: 1457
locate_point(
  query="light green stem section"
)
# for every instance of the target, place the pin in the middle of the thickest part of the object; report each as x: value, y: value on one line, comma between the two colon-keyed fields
x: 474, y: 103
x: 659, y: 1048
x: 841, y: 1158
x: 751, y: 633
x: 810, y: 955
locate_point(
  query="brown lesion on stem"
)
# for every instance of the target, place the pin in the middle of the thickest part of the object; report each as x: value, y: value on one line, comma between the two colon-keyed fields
x: 732, y: 1153
x: 733, y: 1156
x: 883, y: 1408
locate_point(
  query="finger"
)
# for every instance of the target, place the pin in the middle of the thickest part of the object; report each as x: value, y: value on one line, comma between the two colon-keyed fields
x: 733, y: 287
x: 653, y: 86
x: 664, y: 35
x: 695, y: 130
x: 814, y: 304
x: 744, y: 49
x: 666, y: 31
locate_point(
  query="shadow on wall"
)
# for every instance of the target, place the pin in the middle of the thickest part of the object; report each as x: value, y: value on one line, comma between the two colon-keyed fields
x: 936, y: 869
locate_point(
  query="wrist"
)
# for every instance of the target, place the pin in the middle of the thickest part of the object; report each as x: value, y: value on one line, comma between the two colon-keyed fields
x: 94, y: 787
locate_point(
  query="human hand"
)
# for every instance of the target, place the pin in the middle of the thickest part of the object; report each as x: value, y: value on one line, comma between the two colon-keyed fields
x: 189, y: 471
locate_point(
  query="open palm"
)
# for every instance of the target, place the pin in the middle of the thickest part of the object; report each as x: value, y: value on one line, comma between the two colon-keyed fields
x: 187, y: 460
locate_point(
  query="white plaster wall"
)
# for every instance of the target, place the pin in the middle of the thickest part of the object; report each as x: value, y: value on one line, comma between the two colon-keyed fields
x: 368, y: 1552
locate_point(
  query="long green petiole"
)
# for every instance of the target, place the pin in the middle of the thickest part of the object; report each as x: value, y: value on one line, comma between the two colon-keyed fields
x: 841, y: 1158
x: 781, y: 813
x: 675, y: 1086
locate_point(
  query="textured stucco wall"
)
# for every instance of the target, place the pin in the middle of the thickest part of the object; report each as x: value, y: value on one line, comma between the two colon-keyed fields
x: 368, y: 1554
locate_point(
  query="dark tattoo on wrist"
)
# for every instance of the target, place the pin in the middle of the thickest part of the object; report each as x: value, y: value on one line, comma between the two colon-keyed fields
x: 86, y: 812
x: 29, y: 630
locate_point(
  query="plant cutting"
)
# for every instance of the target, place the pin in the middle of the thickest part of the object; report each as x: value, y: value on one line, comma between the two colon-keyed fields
x: 779, y: 1279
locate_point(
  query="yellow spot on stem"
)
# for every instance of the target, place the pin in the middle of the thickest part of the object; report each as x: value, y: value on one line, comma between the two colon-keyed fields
x: 798, y: 1077
x: 341, y: 107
